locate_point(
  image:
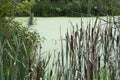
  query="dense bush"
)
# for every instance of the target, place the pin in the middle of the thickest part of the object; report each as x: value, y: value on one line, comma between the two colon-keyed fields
x: 19, y: 45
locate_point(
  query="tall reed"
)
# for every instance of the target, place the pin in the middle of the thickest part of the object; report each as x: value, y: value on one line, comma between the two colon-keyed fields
x: 91, y: 53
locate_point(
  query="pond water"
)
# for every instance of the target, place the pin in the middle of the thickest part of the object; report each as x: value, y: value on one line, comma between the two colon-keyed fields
x: 51, y: 27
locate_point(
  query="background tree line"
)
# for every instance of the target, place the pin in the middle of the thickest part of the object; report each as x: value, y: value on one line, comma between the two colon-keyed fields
x: 47, y: 8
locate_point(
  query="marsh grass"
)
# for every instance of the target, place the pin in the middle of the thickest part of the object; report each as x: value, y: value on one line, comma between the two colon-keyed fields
x: 90, y: 54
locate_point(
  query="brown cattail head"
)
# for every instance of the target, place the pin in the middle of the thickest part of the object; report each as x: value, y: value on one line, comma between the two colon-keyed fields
x: 98, y: 63
x: 110, y: 32
x: 95, y: 35
x: 93, y: 50
x: 29, y: 65
x: 117, y: 42
x: 67, y: 37
x: 76, y: 34
x: 72, y: 43
x: 81, y: 33
x: 92, y: 33
x: 80, y: 30
x: 105, y: 32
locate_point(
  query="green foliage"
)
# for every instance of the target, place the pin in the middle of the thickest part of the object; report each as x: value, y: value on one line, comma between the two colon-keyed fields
x: 5, y: 8
x: 46, y: 8
x: 19, y: 50
x: 23, y: 8
x: 12, y: 7
x: 19, y: 46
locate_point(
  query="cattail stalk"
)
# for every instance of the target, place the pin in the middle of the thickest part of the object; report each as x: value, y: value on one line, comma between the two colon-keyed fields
x: 30, y: 71
x: 98, y: 67
x: 37, y: 74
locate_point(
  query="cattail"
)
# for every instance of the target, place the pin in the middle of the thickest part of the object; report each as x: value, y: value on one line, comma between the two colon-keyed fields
x: 110, y: 32
x: 98, y: 67
x: 37, y: 74
x: 81, y: 33
x: 91, y: 71
x: 92, y: 33
x: 76, y: 34
x: 67, y: 37
x: 105, y: 56
x: 92, y: 62
x: 30, y: 71
x: 105, y: 32
x: 117, y: 42
x: 86, y: 72
x: 95, y: 36
x: 102, y: 37
x: 93, y: 50
x: 59, y: 71
x: 98, y: 63
x: 72, y: 43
